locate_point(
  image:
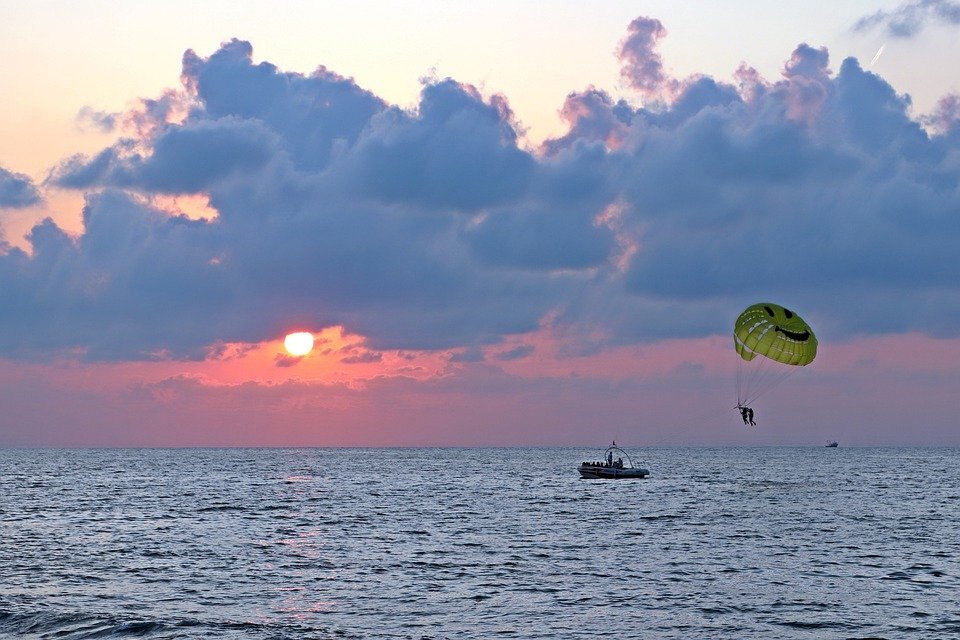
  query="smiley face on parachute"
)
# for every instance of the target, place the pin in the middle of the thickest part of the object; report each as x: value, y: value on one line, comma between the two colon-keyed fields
x: 775, y: 332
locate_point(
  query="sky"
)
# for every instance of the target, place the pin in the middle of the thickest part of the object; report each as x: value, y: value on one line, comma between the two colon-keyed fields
x: 504, y: 223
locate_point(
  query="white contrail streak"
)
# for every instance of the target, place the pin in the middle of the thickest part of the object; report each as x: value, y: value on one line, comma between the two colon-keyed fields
x: 876, y: 56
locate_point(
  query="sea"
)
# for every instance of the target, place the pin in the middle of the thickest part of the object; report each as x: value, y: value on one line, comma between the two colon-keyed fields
x: 778, y: 542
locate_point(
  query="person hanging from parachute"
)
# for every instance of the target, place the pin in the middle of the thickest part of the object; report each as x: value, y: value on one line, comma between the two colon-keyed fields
x: 784, y: 342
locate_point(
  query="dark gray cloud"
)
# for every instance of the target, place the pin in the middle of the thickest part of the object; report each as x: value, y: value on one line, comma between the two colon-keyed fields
x: 457, y: 152
x: 910, y: 18
x: 17, y: 190
x: 133, y: 285
x: 285, y: 361
x: 472, y: 354
x: 183, y: 159
x: 435, y: 228
x: 363, y: 357
x: 517, y: 353
x: 312, y: 114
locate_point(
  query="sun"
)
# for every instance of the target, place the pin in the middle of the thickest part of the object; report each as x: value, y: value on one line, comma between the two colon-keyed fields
x: 298, y: 344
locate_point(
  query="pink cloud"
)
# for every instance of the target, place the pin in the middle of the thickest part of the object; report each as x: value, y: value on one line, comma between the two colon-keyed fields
x: 591, y: 115
x: 642, y: 65
x: 946, y: 117
x: 808, y: 83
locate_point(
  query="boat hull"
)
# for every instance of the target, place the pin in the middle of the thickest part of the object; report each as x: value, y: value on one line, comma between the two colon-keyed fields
x: 590, y: 472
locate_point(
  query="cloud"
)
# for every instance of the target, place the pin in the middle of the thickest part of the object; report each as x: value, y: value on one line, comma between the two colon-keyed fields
x: 285, y: 361
x: 643, y: 66
x: 946, y: 118
x: 312, y: 114
x: 17, y: 190
x: 808, y: 83
x: 90, y: 118
x: 457, y: 152
x: 910, y: 18
x: 591, y: 116
x: 517, y: 353
x: 435, y: 227
x: 131, y: 286
x: 472, y: 354
x: 183, y: 159
x: 362, y: 358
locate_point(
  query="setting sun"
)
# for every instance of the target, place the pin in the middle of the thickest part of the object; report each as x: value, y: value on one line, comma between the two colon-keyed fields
x: 298, y: 344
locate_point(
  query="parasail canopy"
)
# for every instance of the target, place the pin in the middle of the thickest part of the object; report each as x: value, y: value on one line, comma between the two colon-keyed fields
x: 773, y: 342
x: 775, y: 332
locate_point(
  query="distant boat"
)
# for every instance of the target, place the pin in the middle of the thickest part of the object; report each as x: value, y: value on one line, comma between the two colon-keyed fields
x: 832, y: 444
x: 612, y: 467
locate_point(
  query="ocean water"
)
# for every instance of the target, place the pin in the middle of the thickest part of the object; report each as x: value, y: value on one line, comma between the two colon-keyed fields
x: 479, y: 543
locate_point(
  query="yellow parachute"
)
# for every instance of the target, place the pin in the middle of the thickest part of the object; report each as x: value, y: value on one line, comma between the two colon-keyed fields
x: 772, y: 342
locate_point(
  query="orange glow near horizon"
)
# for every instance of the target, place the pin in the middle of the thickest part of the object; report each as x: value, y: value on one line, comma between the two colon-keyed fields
x: 343, y: 359
x: 337, y: 358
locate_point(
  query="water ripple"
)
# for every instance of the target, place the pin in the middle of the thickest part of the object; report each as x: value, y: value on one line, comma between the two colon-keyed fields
x: 283, y: 543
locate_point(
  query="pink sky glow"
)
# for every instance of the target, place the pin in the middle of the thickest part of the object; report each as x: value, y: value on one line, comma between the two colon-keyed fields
x: 870, y: 391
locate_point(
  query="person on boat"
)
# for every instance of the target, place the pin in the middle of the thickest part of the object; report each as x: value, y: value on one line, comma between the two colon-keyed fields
x: 610, y: 458
x: 619, y: 463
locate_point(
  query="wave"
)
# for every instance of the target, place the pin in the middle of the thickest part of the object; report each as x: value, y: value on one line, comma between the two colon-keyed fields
x: 48, y: 624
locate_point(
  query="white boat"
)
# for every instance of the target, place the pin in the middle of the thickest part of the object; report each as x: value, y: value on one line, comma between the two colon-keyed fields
x: 616, y: 465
